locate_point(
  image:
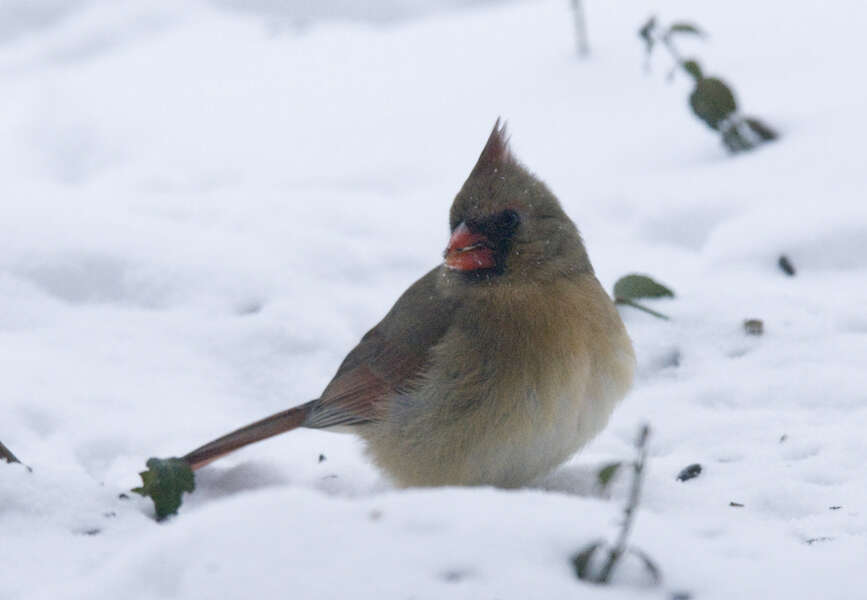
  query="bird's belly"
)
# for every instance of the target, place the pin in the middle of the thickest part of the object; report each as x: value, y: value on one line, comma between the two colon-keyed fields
x: 528, y: 446
x: 511, y: 435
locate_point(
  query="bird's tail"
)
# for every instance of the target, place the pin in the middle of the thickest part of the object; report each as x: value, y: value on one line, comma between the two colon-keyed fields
x: 277, y: 423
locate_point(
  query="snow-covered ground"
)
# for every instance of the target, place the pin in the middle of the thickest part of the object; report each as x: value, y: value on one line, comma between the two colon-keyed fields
x: 204, y: 205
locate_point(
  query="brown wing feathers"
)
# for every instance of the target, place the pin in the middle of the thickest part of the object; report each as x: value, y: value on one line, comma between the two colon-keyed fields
x: 389, y: 356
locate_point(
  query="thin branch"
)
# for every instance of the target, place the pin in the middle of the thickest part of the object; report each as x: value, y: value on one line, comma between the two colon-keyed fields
x: 619, y: 547
x: 580, y: 28
x: 6, y: 454
x: 675, y: 55
x: 633, y: 304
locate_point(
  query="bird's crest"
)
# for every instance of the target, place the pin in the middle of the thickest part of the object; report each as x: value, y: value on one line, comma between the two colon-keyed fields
x: 496, y: 151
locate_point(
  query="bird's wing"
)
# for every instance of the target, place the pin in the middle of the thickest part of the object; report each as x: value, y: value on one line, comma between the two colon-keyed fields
x: 384, y: 362
x: 387, y: 359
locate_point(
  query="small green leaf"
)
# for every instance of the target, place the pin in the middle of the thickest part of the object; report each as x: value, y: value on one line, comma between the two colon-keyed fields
x: 765, y: 133
x: 754, y: 327
x: 164, y: 482
x: 735, y: 141
x: 712, y: 101
x: 683, y: 27
x: 635, y: 286
x: 640, y: 286
x: 581, y: 561
x: 693, y: 68
x: 646, y: 33
x: 607, y: 473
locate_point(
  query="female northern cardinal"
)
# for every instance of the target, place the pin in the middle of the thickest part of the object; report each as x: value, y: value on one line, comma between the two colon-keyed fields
x: 493, y: 368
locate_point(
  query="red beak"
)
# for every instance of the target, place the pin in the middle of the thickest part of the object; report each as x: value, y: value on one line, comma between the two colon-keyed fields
x: 468, y: 251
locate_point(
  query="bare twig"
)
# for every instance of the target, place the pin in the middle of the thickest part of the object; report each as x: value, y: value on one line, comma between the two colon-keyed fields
x: 6, y: 454
x: 634, y: 304
x: 619, y: 547
x: 581, y: 561
x: 675, y: 55
x: 580, y: 28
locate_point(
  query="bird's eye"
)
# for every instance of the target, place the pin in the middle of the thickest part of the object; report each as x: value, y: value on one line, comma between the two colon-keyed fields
x: 510, y: 219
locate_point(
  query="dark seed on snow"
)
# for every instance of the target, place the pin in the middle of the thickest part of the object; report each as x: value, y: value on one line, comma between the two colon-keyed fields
x: 754, y: 327
x: 786, y: 265
x: 690, y: 472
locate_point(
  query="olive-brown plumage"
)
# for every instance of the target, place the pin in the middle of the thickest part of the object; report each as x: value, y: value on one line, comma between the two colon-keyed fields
x: 493, y: 368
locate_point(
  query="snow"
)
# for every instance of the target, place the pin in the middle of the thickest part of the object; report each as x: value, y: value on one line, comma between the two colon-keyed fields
x: 205, y: 205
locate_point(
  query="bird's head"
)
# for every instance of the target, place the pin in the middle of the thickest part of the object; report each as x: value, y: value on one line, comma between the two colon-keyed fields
x: 508, y: 227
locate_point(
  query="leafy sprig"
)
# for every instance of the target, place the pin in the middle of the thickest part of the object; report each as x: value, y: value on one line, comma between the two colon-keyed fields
x: 582, y: 561
x: 164, y: 482
x: 630, y: 288
x: 711, y: 100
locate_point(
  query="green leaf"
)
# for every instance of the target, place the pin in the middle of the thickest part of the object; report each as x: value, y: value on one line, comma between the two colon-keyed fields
x: 164, y: 482
x: 737, y: 139
x: 581, y: 561
x: 765, y: 133
x: 693, y: 68
x: 607, y: 473
x: 683, y: 27
x: 754, y: 327
x: 712, y: 101
x: 646, y: 33
x: 635, y: 286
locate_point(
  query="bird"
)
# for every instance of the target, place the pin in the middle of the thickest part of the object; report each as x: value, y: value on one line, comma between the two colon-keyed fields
x: 492, y: 369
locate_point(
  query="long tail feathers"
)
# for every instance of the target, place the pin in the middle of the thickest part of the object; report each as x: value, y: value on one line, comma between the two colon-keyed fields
x: 277, y: 423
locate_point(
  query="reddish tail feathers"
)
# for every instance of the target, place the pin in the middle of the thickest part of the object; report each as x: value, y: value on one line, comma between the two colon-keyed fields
x: 277, y: 423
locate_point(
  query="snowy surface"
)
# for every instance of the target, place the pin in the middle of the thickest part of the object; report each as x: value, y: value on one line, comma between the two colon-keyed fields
x: 204, y: 205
